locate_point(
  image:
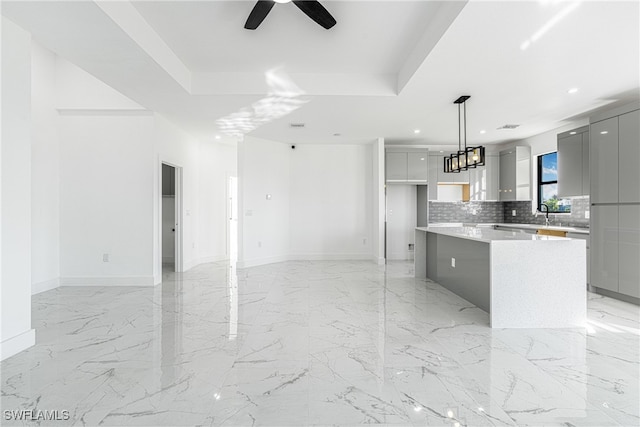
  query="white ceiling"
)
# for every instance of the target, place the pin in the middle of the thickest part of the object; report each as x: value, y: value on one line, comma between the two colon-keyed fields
x: 386, y: 68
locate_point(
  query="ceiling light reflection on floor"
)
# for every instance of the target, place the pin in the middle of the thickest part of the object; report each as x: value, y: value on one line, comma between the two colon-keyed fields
x: 283, y: 98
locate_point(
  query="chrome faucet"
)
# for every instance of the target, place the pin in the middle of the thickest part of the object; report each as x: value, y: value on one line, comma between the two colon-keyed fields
x: 546, y: 219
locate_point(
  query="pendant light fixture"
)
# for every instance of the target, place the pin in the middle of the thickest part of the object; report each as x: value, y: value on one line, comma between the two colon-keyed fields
x: 469, y: 157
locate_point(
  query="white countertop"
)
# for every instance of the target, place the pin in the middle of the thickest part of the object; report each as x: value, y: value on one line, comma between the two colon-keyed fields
x: 577, y: 230
x: 487, y: 234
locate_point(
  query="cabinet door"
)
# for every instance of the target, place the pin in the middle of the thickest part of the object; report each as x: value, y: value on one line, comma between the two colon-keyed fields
x: 507, y: 175
x: 570, y: 166
x: 434, y: 161
x: 629, y: 250
x: 417, y: 167
x: 492, y: 177
x: 604, y: 247
x: 603, y: 161
x: 629, y: 156
x: 396, y: 167
x: 475, y: 184
x: 585, y: 164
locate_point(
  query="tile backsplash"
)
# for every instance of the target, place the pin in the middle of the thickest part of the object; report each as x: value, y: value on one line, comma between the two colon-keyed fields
x: 501, y: 212
x: 524, y: 215
x: 477, y: 212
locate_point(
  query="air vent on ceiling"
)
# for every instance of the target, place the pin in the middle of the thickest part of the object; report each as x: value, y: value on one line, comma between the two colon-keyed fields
x: 508, y: 127
x: 296, y: 125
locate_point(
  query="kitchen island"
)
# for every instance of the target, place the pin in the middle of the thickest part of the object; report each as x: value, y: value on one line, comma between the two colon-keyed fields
x: 522, y: 280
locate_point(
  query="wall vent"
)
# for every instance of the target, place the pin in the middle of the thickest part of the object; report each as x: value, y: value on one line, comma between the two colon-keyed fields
x: 296, y: 125
x: 508, y: 127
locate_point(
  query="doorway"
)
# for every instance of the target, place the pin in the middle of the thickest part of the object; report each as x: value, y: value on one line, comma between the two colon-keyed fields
x: 170, y: 214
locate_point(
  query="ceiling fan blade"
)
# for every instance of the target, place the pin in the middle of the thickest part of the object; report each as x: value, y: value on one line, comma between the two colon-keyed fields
x: 314, y: 10
x: 259, y: 12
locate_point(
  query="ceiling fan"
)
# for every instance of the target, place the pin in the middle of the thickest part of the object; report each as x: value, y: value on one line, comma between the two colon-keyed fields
x: 312, y: 8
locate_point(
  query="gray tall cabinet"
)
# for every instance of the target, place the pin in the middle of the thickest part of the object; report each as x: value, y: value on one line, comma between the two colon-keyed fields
x: 614, y: 161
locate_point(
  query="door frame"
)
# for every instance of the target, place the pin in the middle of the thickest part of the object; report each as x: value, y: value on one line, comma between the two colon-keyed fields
x: 179, y: 233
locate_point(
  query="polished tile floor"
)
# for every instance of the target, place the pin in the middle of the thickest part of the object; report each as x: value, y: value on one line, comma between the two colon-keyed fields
x: 316, y: 343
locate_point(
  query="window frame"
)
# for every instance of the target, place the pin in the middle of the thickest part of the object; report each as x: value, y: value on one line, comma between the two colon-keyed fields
x: 542, y: 183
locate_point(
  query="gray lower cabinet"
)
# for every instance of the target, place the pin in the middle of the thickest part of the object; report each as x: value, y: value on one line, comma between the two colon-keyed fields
x: 604, y: 247
x: 629, y: 157
x: 629, y: 250
x: 588, y: 243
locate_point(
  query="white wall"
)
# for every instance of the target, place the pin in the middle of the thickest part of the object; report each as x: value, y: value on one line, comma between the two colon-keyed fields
x: 15, y: 159
x: 45, y: 171
x: 331, y: 202
x: 321, y: 206
x: 263, y: 168
x: 106, y: 202
x: 218, y: 162
x: 401, y: 220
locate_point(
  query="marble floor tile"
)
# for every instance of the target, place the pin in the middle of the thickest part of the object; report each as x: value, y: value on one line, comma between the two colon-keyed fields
x: 315, y: 343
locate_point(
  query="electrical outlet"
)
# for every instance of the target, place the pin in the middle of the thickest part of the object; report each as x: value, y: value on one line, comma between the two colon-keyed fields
x: 453, y: 262
x: 513, y: 212
x: 474, y: 212
x: 586, y: 214
x: 105, y: 257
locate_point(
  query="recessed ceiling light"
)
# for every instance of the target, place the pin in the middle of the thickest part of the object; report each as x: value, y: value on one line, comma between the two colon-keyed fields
x: 441, y: 151
x: 282, y: 1
x: 572, y: 90
x: 217, y: 136
x: 572, y: 133
x: 604, y: 132
x: 416, y: 131
x: 483, y: 131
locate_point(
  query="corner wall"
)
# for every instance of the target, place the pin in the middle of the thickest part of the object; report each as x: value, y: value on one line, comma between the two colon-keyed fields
x: 15, y: 192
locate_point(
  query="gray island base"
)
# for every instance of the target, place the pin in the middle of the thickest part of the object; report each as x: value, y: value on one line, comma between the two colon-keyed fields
x: 521, y: 280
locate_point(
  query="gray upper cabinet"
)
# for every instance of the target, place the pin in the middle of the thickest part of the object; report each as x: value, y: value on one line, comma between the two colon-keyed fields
x: 434, y: 160
x: 603, y: 161
x: 585, y: 164
x: 507, y: 175
x: 417, y: 167
x: 484, y: 180
x: 629, y: 157
x: 571, y: 163
x: 515, y: 174
x: 408, y: 166
x: 396, y: 167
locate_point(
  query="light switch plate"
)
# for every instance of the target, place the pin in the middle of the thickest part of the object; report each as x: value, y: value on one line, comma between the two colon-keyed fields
x: 513, y: 213
x: 453, y: 262
x: 586, y: 214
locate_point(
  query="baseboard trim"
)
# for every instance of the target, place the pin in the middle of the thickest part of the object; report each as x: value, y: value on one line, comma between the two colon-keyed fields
x: 47, y: 285
x: 378, y: 260
x: 261, y: 261
x: 108, y: 281
x: 329, y: 257
x: 616, y: 295
x: 213, y: 258
x: 308, y: 257
x: 15, y: 345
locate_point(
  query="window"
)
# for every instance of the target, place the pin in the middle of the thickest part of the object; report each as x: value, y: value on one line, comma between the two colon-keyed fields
x: 548, y: 184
